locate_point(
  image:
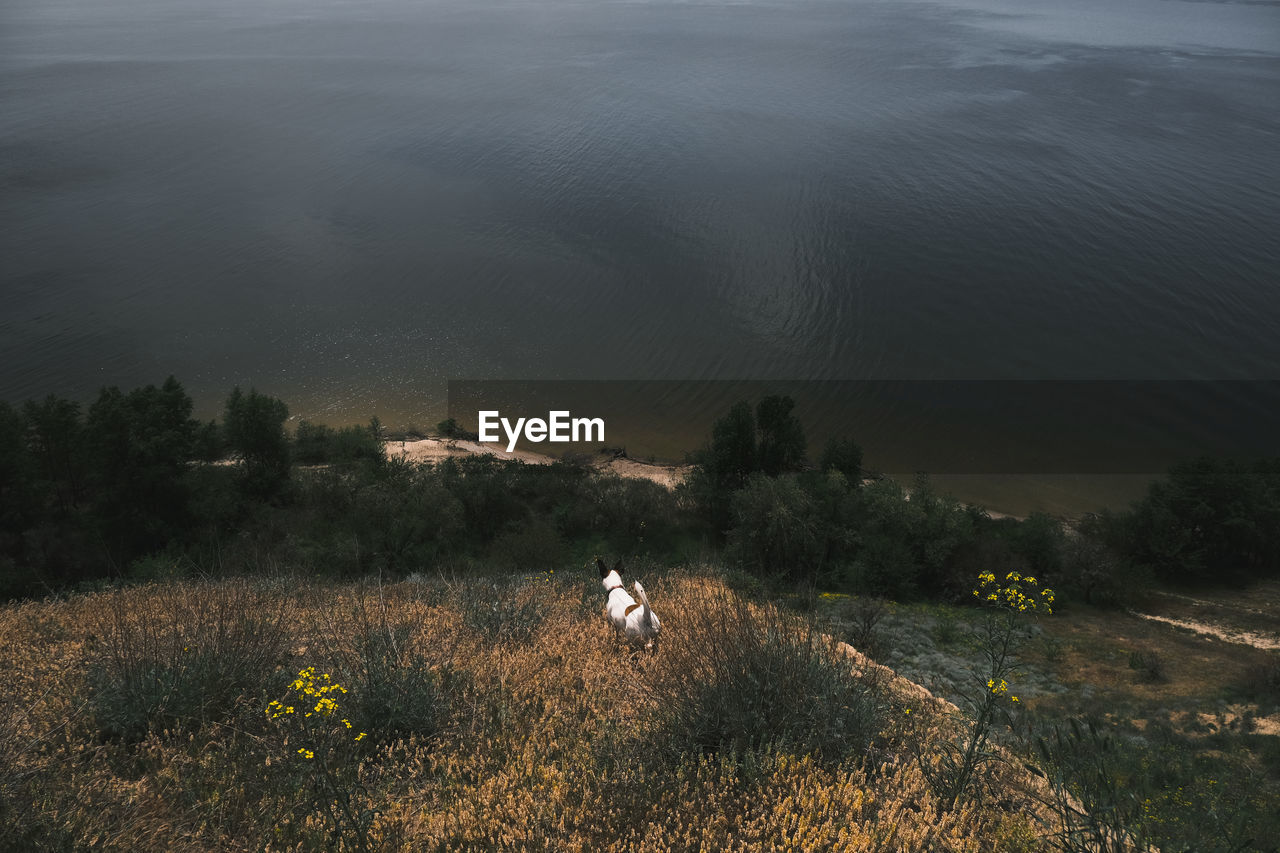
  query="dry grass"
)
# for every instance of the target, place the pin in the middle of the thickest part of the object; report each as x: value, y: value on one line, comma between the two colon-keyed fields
x: 554, y: 737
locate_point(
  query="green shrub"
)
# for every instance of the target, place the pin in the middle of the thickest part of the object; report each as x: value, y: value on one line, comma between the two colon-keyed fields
x: 1262, y: 681
x: 862, y: 615
x: 204, y: 656
x: 843, y: 455
x: 747, y: 679
x: 397, y: 694
x: 1148, y: 664
x: 1118, y: 793
x: 311, y: 443
x: 773, y: 530
x: 1094, y: 572
x: 449, y: 428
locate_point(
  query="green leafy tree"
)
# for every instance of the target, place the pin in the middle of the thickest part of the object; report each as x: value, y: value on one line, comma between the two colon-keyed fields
x: 253, y: 425
x: 56, y: 437
x: 17, y: 470
x: 1210, y: 519
x: 781, y: 443
x: 844, y: 455
x: 311, y: 443
x: 774, y: 528
x: 140, y: 445
x: 209, y: 444
x: 723, y: 465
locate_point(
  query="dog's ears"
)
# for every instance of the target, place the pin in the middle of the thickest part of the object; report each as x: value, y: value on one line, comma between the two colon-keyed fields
x: 617, y: 567
x: 604, y: 570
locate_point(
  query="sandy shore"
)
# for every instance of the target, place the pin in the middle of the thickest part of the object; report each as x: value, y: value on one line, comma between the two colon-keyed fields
x: 435, y: 449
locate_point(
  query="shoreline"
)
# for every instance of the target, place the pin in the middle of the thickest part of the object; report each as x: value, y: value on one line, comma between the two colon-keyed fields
x: 436, y: 449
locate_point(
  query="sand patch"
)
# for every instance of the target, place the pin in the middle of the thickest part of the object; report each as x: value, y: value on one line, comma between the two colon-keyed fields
x: 437, y: 449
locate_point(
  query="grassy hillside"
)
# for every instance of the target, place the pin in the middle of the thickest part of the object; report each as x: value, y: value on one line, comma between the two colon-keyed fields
x: 483, y: 715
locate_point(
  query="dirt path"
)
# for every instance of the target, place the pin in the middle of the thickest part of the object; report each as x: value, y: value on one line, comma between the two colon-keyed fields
x: 1269, y: 640
x: 1249, y: 617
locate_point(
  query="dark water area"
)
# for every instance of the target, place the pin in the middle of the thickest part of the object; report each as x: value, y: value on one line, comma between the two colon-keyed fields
x: 348, y: 204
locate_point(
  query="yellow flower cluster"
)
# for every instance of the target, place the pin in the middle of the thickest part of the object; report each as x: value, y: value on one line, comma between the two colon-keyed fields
x: 309, y: 687
x: 1020, y: 593
x: 1001, y: 689
x: 317, y: 692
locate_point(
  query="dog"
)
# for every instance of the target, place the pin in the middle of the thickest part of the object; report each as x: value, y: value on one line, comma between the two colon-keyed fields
x: 634, y: 620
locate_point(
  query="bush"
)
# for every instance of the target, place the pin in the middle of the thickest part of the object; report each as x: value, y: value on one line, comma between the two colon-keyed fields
x: 631, y: 513
x: 1093, y: 572
x: 773, y: 530
x: 1148, y: 664
x: 843, y: 455
x: 781, y: 445
x: 1114, y: 793
x: 743, y: 678
x: 405, y: 522
x: 311, y: 443
x: 908, y: 548
x: 205, y: 655
x: 397, y: 694
x: 1262, y: 681
x: 863, y: 615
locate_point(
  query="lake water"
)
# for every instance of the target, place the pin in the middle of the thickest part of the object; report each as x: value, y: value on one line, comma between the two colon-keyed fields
x: 348, y: 203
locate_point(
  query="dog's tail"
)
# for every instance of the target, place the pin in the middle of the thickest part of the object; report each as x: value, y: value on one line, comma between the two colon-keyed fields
x: 644, y: 600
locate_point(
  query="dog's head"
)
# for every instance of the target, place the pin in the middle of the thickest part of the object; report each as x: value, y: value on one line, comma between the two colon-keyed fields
x: 610, y: 578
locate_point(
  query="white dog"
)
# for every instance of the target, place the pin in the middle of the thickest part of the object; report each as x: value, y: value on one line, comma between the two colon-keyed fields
x: 635, y: 621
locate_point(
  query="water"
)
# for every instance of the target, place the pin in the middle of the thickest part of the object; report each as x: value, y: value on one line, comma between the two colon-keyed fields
x: 348, y: 203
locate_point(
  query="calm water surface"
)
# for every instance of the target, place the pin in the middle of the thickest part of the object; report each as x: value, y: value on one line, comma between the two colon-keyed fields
x: 347, y: 203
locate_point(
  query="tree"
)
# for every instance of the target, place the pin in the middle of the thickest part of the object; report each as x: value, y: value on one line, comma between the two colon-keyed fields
x: 781, y: 446
x: 731, y: 457
x: 1210, y: 520
x: 774, y: 530
x: 723, y: 465
x: 139, y: 447
x: 56, y: 435
x: 253, y: 425
x: 16, y: 471
x: 844, y: 455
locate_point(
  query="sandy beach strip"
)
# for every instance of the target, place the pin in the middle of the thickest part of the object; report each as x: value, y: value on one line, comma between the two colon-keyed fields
x: 437, y: 449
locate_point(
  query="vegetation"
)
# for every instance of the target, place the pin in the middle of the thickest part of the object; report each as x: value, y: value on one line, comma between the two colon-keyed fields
x: 551, y: 742
x: 491, y: 710
x: 1211, y: 520
x: 138, y: 489
x: 135, y: 487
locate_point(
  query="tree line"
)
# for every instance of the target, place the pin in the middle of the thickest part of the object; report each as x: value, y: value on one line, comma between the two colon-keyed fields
x: 134, y: 486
